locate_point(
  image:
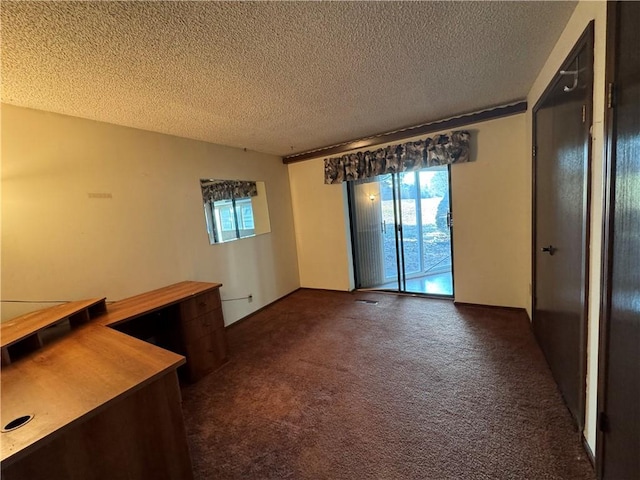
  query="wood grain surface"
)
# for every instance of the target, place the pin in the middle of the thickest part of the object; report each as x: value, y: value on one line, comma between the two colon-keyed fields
x: 71, y: 379
x: 80, y: 386
x: 21, y: 327
x: 141, y: 436
x: 148, y: 302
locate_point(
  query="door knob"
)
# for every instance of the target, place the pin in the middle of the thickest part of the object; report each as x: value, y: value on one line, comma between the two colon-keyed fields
x: 548, y: 249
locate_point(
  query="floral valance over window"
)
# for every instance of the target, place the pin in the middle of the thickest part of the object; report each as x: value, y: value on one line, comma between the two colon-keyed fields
x: 216, y: 190
x: 440, y: 150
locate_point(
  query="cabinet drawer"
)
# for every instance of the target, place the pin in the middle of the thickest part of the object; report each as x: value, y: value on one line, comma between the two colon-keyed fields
x: 203, y: 325
x: 206, y: 353
x: 203, y: 303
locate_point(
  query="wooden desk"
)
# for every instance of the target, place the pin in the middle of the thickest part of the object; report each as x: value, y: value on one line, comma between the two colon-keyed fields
x: 105, y: 405
x: 185, y: 318
x: 85, y: 392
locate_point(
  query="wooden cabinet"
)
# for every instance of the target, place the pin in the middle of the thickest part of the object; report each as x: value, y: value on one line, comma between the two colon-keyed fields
x: 99, y: 403
x: 185, y: 318
x: 202, y: 332
x: 103, y: 405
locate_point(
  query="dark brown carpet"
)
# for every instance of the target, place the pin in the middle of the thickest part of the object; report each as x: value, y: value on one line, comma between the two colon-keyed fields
x: 320, y: 386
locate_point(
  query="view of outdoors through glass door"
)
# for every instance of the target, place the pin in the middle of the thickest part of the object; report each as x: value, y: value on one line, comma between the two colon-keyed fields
x: 402, y: 236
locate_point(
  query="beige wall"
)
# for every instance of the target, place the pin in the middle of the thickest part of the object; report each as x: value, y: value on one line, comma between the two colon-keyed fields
x: 59, y: 244
x: 491, y: 208
x: 322, y: 230
x: 583, y: 14
x: 491, y: 216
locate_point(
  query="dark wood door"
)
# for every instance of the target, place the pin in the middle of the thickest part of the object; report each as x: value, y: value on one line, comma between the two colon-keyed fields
x: 621, y: 417
x: 562, y: 148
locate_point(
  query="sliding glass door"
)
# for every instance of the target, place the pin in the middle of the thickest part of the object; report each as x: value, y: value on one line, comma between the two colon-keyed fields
x: 401, y: 229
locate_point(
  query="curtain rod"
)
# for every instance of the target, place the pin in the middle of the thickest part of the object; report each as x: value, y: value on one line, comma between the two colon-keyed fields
x: 409, y: 132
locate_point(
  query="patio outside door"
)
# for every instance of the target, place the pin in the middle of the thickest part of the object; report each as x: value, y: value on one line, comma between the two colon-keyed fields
x: 401, y: 228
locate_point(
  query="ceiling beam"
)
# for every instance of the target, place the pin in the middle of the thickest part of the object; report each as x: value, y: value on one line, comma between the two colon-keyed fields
x: 409, y: 132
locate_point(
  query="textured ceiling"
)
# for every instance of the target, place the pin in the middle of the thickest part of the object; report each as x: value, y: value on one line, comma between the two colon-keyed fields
x: 276, y: 77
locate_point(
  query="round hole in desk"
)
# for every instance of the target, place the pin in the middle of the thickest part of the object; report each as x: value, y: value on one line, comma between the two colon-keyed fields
x: 17, y: 423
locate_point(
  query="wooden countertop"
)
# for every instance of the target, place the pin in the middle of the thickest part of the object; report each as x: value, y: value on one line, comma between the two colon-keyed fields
x: 148, y: 302
x: 72, y: 378
x: 80, y: 374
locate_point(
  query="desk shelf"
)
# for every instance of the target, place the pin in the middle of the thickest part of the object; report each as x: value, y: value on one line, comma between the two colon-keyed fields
x: 29, y: 332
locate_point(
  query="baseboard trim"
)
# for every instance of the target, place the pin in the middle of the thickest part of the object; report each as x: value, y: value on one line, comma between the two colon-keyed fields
x: 246, y: 317
x: 498, y: 307
x: 588, y: 450
x: 457, y: 304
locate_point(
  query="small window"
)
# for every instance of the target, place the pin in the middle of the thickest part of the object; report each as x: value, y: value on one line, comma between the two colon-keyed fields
x: 247, y: 218
x: 226, y: 218
x: 232, y: 208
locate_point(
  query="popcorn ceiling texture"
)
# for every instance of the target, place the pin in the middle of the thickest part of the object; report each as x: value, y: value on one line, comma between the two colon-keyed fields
x: 276, y: 77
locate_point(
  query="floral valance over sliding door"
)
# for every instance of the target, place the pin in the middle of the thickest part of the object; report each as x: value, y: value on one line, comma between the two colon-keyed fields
x: 440, y: 150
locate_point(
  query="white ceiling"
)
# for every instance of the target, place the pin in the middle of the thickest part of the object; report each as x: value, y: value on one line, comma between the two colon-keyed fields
x: 276, y: 77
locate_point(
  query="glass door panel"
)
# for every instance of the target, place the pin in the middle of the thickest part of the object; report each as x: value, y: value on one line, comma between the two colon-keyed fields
x: 402, y: 232
x: 409, y: 200
x: 387, y: 205
x: 372, y: 223
x: 438, y: 264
